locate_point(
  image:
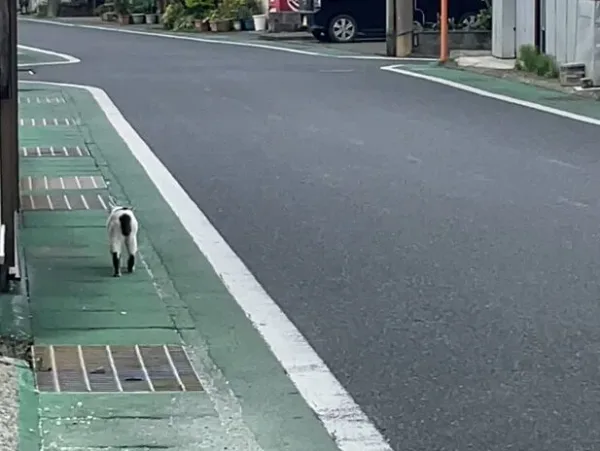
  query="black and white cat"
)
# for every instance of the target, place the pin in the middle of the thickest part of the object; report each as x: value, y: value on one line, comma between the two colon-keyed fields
x: 122, y: 228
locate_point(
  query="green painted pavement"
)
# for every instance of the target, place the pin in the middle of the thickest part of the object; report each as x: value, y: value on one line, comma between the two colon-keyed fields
x: 29, y: 439
x: 178, y: 298
x: 25, y: 57
x: 522, y: 91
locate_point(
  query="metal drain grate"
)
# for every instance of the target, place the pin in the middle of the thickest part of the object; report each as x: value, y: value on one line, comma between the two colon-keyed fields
x: 114, y: 369
x: 61, y: 201
x: 54, y: 151
x: 49, y: 122
x: 42, y: 100
x: 55, y: 183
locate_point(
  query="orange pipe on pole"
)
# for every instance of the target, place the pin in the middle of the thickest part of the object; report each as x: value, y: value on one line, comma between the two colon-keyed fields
x: 443, y: 31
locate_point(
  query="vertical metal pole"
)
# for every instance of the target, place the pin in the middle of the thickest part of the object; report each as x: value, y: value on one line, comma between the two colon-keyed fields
x: 390, y: 27
x: 9, y: 162
x: 443, y: 31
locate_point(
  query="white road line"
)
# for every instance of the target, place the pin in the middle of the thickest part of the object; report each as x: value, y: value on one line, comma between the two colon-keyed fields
x: 54, y: 368
x: 225, y: 42
x: 344, y: 420
x: 66, y: 59
x: 174, y: 368
x: 113, y: 367
x: 397, y: 69
x: 84, y: 372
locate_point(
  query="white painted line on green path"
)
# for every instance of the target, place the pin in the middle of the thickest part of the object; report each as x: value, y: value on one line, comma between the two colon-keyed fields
x: 227, y: 42
x: 402, y: 69
x: 343, y: 419
x: 64, y: 58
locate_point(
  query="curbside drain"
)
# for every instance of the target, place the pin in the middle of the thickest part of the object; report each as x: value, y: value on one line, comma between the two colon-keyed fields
x: 63, y: 202
x: 114, y: 369
x: 77, y: 151
x: 49, y: 122
x: 54, y: 100
x: 79, y: 182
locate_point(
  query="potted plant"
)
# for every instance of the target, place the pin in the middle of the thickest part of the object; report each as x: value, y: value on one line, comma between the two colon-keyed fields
x: 246, y: 12
x: 260, y: 22
x: 200, y: 9
x: 151, y: 16
x: 173, y: 13
x: 202, y: 24
x: 219, y: 21
x: 138, y: 11
x: 122, y: 10
x: 238, y: 7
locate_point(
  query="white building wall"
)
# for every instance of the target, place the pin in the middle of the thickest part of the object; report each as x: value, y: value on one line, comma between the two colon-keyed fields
x: 504, y: 15
x: 525, y: 23
x: 562, y: 21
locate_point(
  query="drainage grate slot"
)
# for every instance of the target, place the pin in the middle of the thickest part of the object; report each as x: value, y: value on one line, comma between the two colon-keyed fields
x: 186, y: 372
x: 62, y: 183
x: 51, y: 151
x: 62, y: 201
x: 53, y: 100
x: 49, y: 122
x: 99, y: 369
x: 114, y: 369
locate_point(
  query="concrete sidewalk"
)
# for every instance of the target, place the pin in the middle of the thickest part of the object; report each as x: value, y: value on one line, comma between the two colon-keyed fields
x: 163, y: 358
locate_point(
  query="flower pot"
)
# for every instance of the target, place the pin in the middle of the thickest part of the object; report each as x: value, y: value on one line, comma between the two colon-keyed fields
x: 237, y: 25
x: 151, y: 18
x: 260, y: 22
x: 137, y: 18
x: 201, y: 25
x: 124, y: 19
x: 220, y: 25
x: 248, y: 24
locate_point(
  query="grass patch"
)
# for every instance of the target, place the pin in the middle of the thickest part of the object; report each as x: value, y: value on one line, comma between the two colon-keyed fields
x: 531, y: 60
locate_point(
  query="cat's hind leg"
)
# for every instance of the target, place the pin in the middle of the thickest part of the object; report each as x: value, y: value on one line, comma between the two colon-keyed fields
x: 116, y: 261
x: 131, y: 244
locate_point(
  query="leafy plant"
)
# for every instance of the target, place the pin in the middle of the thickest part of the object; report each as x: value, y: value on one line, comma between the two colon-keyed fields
x: 139, y: 6
x: 184, y: 23
x: 122, y: 7
x: 149, y: 7
x: 244, y: 9
x: 173, y: 13
x: 531, y: 60
x: 199, y: 8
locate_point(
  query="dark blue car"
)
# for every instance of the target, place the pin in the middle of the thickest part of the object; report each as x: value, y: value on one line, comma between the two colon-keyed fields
x: 349, y: 20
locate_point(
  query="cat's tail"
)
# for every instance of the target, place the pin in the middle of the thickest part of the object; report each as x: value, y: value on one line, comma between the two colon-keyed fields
x: 125, y: 222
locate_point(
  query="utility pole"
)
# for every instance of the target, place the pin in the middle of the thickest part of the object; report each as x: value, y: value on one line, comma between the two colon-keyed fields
x: 443, y: 31
x: 9, y: 158
x: 404, y: 27
x: 390, y: 27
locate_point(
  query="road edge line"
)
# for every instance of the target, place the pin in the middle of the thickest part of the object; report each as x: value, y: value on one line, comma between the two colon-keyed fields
x: 68, y: 59
x: 397, y: 69
x: 228, y: 42
x: 341, y: 416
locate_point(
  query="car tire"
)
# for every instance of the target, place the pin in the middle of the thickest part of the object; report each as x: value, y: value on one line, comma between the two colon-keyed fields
x: 320, y: 36
x: 342, y: 29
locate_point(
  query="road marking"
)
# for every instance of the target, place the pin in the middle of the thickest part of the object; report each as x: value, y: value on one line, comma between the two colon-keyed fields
x: 66, y: 59
x: 397, y: 69
x: 343, y: 419
x: 226, y: 42
x: 337, y: 71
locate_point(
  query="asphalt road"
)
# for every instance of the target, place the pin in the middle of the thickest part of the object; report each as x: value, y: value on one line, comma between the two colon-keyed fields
x: 438, y: 249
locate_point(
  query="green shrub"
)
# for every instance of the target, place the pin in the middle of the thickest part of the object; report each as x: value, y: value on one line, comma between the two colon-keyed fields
x: 173, y: 13
x: 184, y: 23
x: 531, y: 60
x: 199, y: 8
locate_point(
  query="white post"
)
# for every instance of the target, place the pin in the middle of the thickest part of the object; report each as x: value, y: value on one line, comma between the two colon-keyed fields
x: 504, y: 22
